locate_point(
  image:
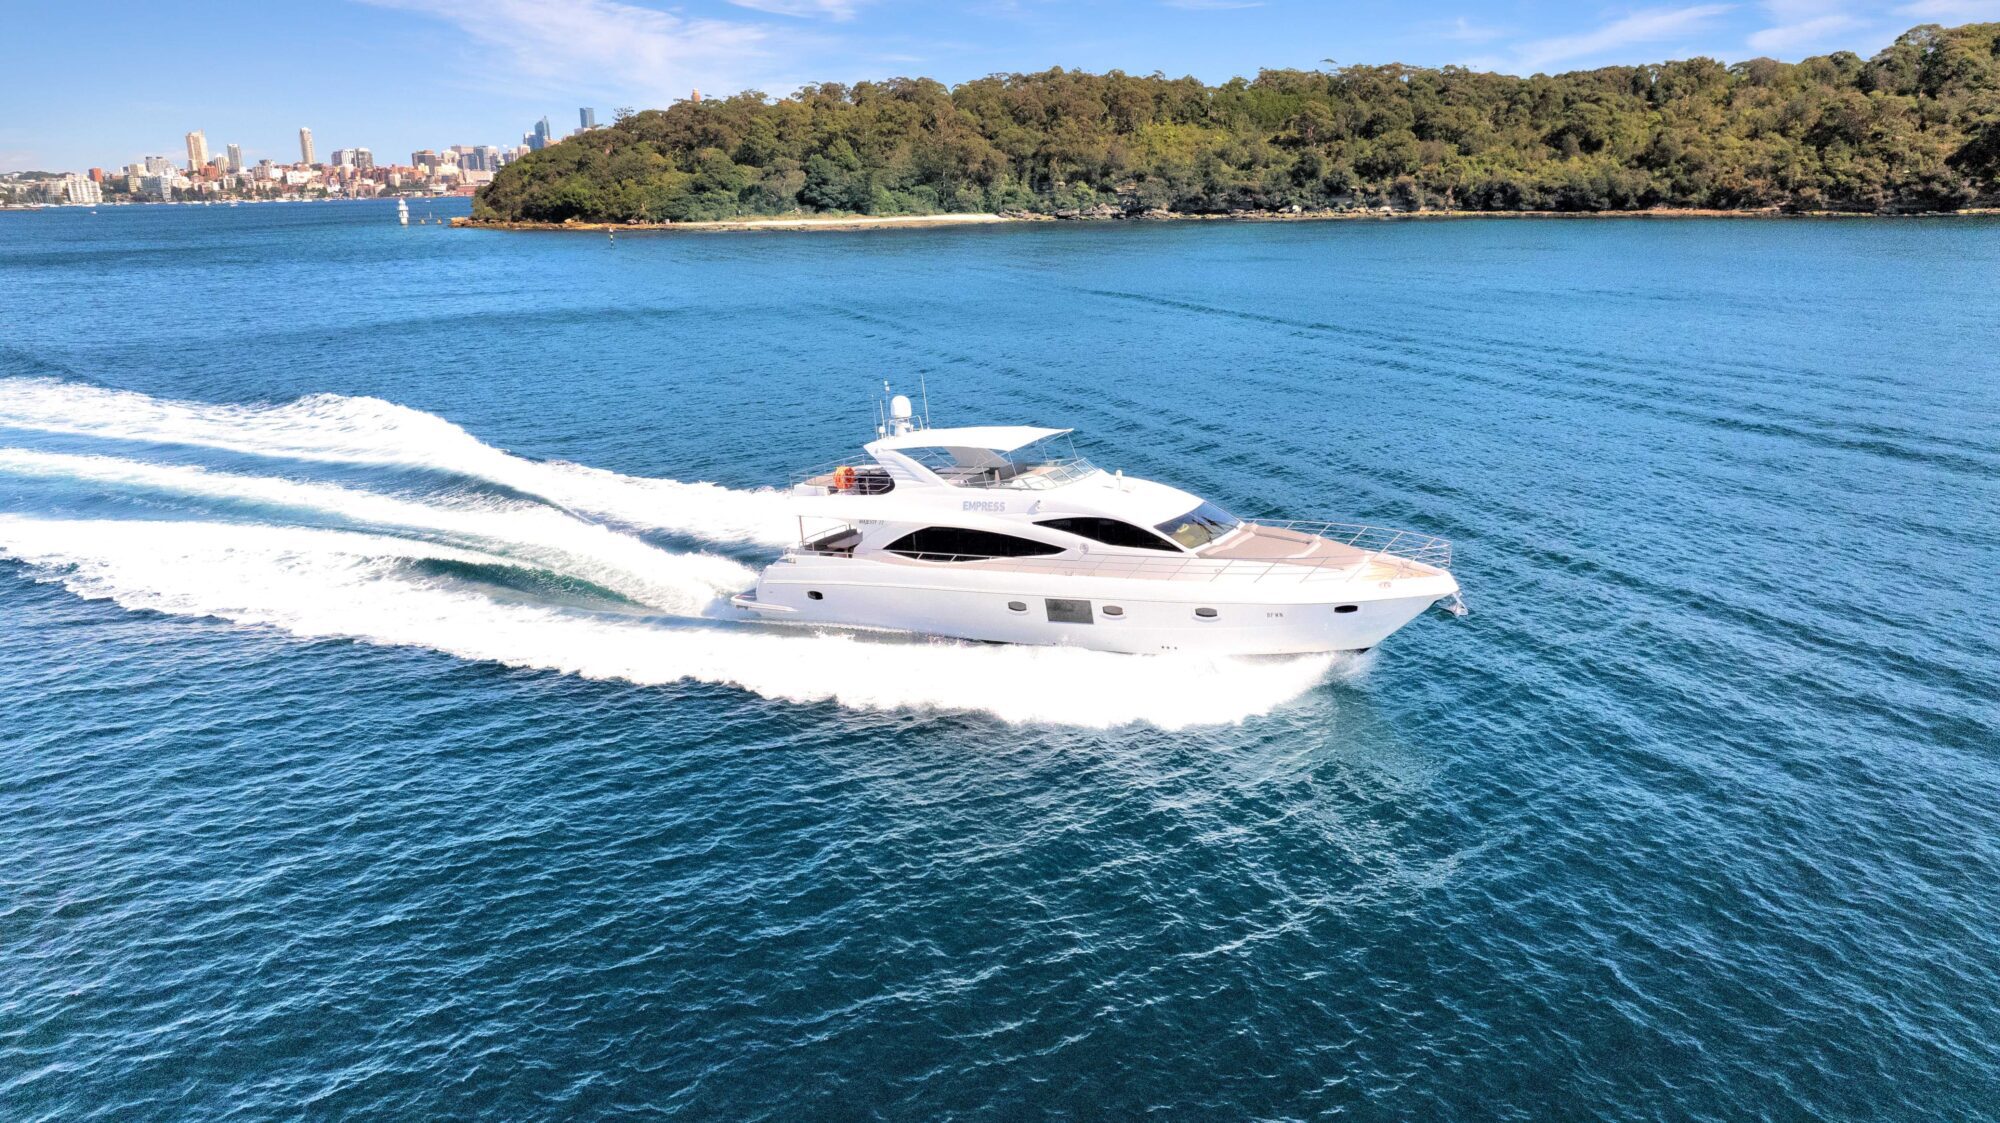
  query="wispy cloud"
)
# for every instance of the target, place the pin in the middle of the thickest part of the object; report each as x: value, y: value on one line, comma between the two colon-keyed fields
x: 1462, y: 30
x: 605, y: 46
x: 804, y: 9
x: 1801, y: 26
x: 1212, y: 5
x: 1951, y: 11
x: 1648, y: 26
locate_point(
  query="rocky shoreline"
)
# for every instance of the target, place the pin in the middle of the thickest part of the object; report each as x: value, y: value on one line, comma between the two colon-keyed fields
x: 1109, y: 213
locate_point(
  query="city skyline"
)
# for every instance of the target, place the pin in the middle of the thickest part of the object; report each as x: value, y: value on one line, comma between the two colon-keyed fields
x: 396, y: 74
x: 350, y: 172
x: 198, y: 151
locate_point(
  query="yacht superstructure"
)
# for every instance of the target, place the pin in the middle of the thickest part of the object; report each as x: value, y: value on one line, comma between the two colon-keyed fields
x: 1002, y: 533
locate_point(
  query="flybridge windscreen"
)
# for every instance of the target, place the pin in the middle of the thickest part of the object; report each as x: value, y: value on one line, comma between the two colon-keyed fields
x: 1045, y: 463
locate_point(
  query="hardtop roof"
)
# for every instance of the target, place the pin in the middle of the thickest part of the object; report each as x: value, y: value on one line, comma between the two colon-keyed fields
x: 994, y: 438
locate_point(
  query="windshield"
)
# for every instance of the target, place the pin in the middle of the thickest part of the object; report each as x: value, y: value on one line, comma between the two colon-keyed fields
x: 1049, y: 462
x: 1200, y: 526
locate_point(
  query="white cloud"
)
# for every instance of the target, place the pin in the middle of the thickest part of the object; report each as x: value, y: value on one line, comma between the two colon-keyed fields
x: 1462, y: 30
x: 1803, y: 27
x: 804, y: 9
x: 1213, y: 5
x: 1804, y: 36
x: 605, y: 46
x: 1951, y: 11
x: 1650, y: 25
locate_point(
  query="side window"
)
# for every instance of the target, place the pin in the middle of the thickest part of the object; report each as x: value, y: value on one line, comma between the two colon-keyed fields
x: 950, y: 543
x: 1111, y: 532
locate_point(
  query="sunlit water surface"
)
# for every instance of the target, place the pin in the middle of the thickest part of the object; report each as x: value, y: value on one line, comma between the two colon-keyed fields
x: 371, y: 745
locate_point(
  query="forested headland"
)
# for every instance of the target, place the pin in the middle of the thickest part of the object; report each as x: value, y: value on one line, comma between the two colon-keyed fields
x: 1914, y: 129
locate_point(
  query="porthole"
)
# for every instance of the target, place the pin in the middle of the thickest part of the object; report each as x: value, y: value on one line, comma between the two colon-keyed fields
x: 1347, y: 608
x: 1017, y: 606
x: 1112, y: 610
x: 815, y: 594
x: 1205, y: 613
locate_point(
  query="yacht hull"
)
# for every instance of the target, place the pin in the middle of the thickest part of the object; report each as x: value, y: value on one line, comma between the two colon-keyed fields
x: 1216, y: 616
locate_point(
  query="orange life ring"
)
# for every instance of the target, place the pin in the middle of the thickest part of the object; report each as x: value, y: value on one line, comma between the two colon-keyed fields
x: 843, y: 478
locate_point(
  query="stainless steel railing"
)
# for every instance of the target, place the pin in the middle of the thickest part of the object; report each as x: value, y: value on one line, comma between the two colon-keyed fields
x: 870, y: 478
x: 873, y: 479
x: 1408, y: 545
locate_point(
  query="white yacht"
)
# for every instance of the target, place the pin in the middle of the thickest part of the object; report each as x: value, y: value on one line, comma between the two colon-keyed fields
x: 1003, y: 534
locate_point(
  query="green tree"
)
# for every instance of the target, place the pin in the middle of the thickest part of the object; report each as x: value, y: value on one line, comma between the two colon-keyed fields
x: 1916, y: 127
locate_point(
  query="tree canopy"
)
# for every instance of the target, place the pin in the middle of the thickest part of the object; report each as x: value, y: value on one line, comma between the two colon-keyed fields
x: 1915, y: 128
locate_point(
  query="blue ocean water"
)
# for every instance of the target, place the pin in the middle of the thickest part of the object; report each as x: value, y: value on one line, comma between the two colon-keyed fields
x: 368, y: 748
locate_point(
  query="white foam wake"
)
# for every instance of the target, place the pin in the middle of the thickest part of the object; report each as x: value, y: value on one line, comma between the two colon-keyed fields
x: 315, y: 583
x: 519, y: 531
x: 334, y: 428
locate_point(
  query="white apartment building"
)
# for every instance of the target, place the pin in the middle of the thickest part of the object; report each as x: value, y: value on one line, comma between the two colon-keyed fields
x: 80, y: 188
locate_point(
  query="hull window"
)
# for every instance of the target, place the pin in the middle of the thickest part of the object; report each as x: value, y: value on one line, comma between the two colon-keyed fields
x: 951, y: 543
x: 1017, y: 606
x: 1113, y: 610
x: 1068, y: 611
x: 1205, y: 613
x: 815, y: 594
x: 1347, y: 608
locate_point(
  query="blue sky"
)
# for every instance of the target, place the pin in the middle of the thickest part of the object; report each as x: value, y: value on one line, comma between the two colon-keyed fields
x: 106, y: 83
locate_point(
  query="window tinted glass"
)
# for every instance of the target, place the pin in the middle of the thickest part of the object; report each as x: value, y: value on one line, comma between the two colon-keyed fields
x: 1111, y: 532
x: 1200, y: 526
x: 950, y: 543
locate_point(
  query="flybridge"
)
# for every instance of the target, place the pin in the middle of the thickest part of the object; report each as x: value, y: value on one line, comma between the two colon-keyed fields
x: 908, y: 451
x: 1014, y: 457
x: 974, y: 458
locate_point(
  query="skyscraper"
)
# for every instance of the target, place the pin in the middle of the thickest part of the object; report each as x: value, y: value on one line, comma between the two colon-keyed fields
x: 306, y: 146
x: 235, y: 157
x: 587, y: 118
x: 197, y: 150
x: 539, y: 139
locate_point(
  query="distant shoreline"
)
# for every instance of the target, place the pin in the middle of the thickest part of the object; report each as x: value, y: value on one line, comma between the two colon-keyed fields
x: 866, y: 222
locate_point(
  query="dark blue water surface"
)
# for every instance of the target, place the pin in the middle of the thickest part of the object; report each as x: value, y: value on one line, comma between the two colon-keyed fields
x: 370, y: 746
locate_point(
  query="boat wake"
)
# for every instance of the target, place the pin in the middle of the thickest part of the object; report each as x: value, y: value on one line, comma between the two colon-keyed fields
x: 336, y: 429
x: 513, y: 574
